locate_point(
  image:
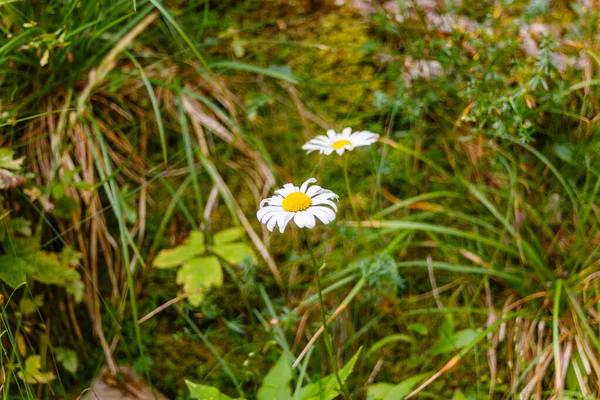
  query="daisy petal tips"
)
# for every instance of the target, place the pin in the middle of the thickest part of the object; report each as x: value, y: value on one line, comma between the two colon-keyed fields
x: 303, y: 204
x: 339, y: 142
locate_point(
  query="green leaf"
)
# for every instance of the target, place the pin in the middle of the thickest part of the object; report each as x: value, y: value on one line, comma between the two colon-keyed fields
x: 564, y: 153
x: 276, y: 385
x: 199, y: 273
x: 33, y: 365
x: 234, y: 253
x: 192, y: 246
x: 7, y: 160
x: 329, y: 385
x: 229, y: 235
x: 44, y: 267
x: 58, y: 191
x: 28, y: 306
x: 65, y: 207
x: 378, y: 391
x: 458, y: 340
x: 49, y: 269
x: 390, y: 339
x: 421, y: 329
x: 458, y: 395
x: 402, y: 389
x: 13, y: 271
x: 68, y: 358
x: 203, y: 392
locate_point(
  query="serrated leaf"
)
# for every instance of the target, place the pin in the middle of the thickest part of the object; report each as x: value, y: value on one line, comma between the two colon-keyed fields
x: 33, y: 372
x: 456, y: 341
x: 234, y: 253
x: 191, y: 247
x: 276, y: 385
x: 68, y: 358
x: 204, y: 392
x: 328, y: 388
x: 197, y: 273
x: 229, y: 235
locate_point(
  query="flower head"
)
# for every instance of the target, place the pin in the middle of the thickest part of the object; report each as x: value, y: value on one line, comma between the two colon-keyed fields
x: 339, y: 142
x: 302, y: 204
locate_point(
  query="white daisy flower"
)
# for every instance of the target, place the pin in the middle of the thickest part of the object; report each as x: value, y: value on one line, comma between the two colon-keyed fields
x: 302, y: 204
x: 339, y: 142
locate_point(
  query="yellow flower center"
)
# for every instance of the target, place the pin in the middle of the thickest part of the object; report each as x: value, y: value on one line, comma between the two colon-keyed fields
x: 338, y: 144
x: 296, y: 201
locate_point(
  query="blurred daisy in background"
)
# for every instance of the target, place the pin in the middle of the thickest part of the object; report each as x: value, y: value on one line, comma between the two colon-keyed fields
x: 302, y: 204
x: 339, y: 142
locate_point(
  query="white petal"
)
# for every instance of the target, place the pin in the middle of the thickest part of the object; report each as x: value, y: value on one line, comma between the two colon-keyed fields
x: 331, y: 133
x: 328, y: 203
x: 273, y: 221
x: 286, y: 218
x: 328, y: 151
x: 305, y: 184
x: 346, y: 133
x: 326, y: 215
x: 261, y: 213
x: 313, y: 190
x: 325, y: 194
x: 340, y: 151
x: 304, y: 219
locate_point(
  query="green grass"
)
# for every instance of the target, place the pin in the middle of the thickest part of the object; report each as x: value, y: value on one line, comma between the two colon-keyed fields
x: 463, y: 259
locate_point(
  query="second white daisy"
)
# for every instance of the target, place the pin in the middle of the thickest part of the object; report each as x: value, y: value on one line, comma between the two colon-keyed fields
x: 339, y: 142
x: 302, y: 204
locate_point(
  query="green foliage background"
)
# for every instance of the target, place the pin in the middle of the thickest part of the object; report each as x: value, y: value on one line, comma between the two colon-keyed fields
x: 138, y: 138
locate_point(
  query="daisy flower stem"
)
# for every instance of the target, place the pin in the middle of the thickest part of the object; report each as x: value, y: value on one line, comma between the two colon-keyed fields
x: 349, y: 190
x: 327, y: 337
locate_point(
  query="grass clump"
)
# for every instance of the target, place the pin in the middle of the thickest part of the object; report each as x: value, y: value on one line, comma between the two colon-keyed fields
x: 463, y: 260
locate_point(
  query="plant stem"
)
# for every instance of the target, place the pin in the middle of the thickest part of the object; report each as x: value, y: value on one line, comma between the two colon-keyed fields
x: 327, y: 338
x: 349, y: 190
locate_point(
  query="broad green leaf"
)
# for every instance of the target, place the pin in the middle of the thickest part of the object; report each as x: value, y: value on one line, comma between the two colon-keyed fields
x: 378, y: 391
x: 390, y: 339
x: 276, y: 385
x: 421, y: 329
x: 329, y: 384
x: 458, y: 395
x: 44, y: 267
x: 13, y: 270
x: 458, y: 340
x: 58, y: 191
x: 75, y: 288
x: 229, y: 235
x: 203, y: 392
x: 199, y: 273
x: 564, y: 153
x: 33, y: 365
x: 65, y: 207
x: 234, y: 253
x: 8, y: 161
x: 28, y: 305
x: 404, y: 388
x: 68, y: 358
x: 49, y: 269
x: 192, y: 246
